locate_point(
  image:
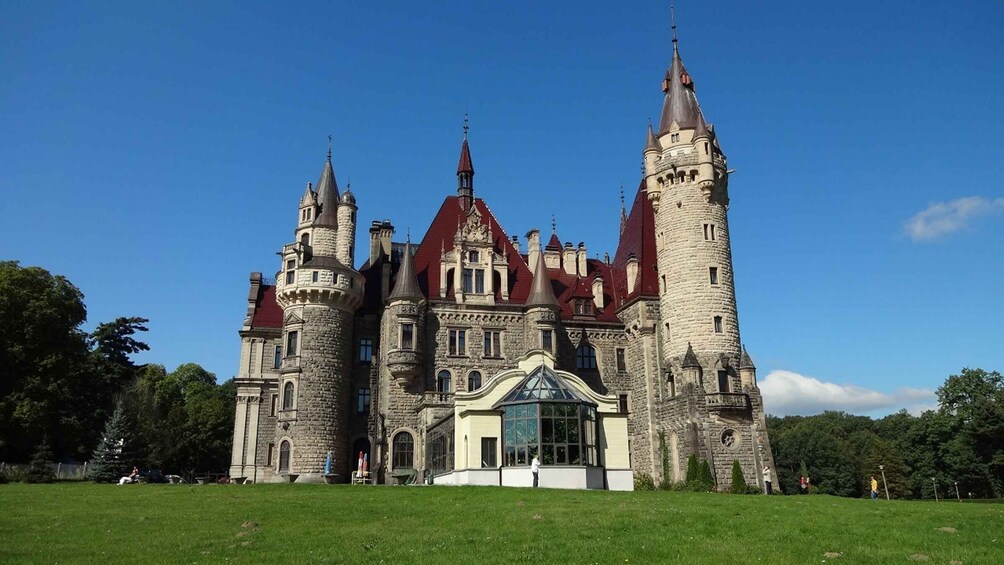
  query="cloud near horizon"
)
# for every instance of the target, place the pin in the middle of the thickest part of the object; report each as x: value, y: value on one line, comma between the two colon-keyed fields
x: 786, y: 393
x: 942, y: 218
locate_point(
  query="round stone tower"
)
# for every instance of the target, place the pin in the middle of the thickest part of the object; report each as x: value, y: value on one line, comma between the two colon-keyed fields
x: 319, y: 295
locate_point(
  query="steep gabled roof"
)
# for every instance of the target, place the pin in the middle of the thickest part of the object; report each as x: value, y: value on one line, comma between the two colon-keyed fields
x: 267, y: 313
x: 637, y: 239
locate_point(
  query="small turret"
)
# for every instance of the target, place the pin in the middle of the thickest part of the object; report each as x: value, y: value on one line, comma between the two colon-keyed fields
x: 406, y: 285
x: 347, y: 227
x: 541, y: 293
x: 692, y: 367
x: 747, y: 370
x: 465, y: 173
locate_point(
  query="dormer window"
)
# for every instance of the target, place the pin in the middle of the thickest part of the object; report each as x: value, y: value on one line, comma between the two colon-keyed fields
x: 473, y: 280
x: 674, y: 137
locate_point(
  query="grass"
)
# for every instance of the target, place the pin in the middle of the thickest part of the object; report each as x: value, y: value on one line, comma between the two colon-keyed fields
x: 78, y: 523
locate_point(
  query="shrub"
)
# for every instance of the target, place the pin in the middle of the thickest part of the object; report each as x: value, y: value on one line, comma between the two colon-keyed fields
x: 704, y: 478
x: 692, y: 469
x: 643, y: 481
x: 738, y: 481
x: 40, y: 468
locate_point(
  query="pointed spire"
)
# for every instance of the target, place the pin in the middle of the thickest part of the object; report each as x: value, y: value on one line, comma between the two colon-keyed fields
x: 465, y: 172
x: 680, y: 104
x: 745, y: 361
x: 327, y: 194
x: 623, y: 209
x: 308, y: 196
x: 690, y: 358
x: 702, y: 128
x: 651, y: 143
x: 541, y: 293
x: 406, y: 286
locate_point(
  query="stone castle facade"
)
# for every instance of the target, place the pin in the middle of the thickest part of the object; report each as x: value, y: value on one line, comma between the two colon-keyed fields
x: 338, y: 361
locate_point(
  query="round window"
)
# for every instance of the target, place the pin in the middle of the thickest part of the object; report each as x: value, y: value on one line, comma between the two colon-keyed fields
x: 730, y: 438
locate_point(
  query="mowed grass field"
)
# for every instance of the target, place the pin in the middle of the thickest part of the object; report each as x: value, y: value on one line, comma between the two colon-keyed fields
x: 290, y: 524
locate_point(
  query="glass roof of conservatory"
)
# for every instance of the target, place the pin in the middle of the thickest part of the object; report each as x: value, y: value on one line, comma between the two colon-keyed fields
x: 544, y: 384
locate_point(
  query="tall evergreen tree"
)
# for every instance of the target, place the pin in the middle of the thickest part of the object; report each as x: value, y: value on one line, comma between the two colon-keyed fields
x: 738, y: 480
x: 111, y: 456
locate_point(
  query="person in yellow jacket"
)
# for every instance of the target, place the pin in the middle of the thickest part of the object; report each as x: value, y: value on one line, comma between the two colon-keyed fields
x: 874, y: 488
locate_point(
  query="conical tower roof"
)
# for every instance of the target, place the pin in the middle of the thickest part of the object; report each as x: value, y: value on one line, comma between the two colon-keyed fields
x: 465, y: 165
x: 327, y: 197
x: 680, y: 104
x: 745, y: 361
x: 690, y: 359
x: 406, y: 287
x: 541, y: 293
x: 651, y: 143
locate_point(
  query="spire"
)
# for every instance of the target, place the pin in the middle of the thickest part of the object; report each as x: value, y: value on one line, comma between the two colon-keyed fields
x: 465, y: 171
x: 690, y: 359
x: 680, y: 104
x: 745, y: 362
x: 702, y: 128
x: 651, y: 143
x: 327, y: 194
x: 623, y: 209
x: 308, y: 197
x: 406, y: 287
x: 541, y: 293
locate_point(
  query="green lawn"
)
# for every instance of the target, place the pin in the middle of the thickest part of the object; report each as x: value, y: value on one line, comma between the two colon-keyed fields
x: 293, y: 524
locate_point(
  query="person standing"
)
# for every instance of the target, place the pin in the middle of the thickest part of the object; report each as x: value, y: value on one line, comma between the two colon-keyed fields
x: 874, y: 488
x: 767, y: 480
x: 804, y: 484
x: 535, y: 469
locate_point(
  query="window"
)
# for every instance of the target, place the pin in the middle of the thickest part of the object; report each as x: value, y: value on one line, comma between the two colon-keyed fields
x: 313, y: 276
x: 363, y: 400
x: 674, y: 137
x: 473, y: 381
x: 621, y: 361
x: 713, y: 274
x: 622, y: 403
x: 586, y: 357
x: 467, y: 280
x: 723, y: 381
x: 473, y: 256
x: 287, y: 396
x: 489, y: 451
x: 404, y: 451
x: 671, y: 385
x: 718, y: 324
x: 443, y: 381
x: 275, y: 405
x: 291, y: 339
x: 479, y: 280
x: 705, y: 147
x: 270, y: 454
x: 547, y: 340
x: 305, y: 239
x: 365, y: 350
x: 458, y: 342
x: 709, y: 232
x: 277, y: 360
x: 284, y: 457
x: 407, y: 336
x: 290, y: 271
x: 493, y: 343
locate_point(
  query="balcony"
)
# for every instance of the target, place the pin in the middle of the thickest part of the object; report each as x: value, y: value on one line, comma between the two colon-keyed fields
x: 404, y: 365
x: 436, y: 400
x: 290, y: 364
x: 719, y: 401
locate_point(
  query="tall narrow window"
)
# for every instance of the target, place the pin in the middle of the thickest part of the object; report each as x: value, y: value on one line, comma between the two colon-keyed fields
x: 274, y: 406
x: 407, y: 336
x: 467, y: 280
x: 547, y: 340
x: 404, y: 451
x: 443, y: 382
x: 305, y: 238
x: 287, y: 396
x: 671, y: 385
x: 622, y: 403
x: 284, y: 457
x: 277, y: 360
x: 473, y: 256
x: 585, y: 357
x: 290, y: 271
x: 621, y: 361
x: 270, y: 454
x: 493, y: 343
x: 479, y: 280
x: 489, y: 451
x: 718, y: 324
x: 473, y: 381
x: 363, y: 400
x: 458, y: 342
x: 313, y: 276
x: 713, y: 274
x: 291, y: 343
x: 723, y: 381
x: 365, y: 350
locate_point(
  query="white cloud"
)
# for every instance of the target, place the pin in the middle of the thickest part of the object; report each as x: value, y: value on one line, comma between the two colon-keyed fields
x: 942, y: 218
x: 787, y: 393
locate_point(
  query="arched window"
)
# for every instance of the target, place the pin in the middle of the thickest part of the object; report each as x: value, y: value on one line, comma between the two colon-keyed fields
x: 586, y: 357
x: 284, y: 457
x: 443, y: 379
x: 305, y: 239
x: 473, y: 381
x: 404, y: 451
x: 287, y: 396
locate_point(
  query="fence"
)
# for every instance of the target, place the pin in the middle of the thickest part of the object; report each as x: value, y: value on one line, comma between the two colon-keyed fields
x: 63, y: 471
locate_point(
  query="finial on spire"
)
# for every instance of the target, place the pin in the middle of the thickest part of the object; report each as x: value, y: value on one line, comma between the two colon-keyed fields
x: 672, y: 15
x: 329, y: 147
x: 622, y: 196
x: 348, y: 183
x: 467, y: 125
x: 409, y: 234
x: 554, y: 224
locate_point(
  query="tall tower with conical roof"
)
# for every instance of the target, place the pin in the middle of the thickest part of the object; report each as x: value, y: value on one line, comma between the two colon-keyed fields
x: 714, y: 404
x: 319, y: 294
x: 465, y: 173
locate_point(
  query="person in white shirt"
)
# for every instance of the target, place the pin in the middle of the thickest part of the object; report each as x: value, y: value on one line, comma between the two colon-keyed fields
x: 535, y: 469
x: 767, y: 479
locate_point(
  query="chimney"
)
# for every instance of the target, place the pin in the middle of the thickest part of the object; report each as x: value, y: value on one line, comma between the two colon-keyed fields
x: 581, y: 256
x: 568, y: 258
x: 598, y: 292
x: 532, y: 248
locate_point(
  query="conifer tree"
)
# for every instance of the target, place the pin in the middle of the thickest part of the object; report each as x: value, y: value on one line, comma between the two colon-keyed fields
x: 109, y: 460
x: 693, y: 469
x: 704, y: 477
x: 738, y: 480
x: 40, y: 467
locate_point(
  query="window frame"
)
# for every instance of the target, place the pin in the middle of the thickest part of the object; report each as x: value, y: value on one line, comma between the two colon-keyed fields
x: 457, y: 342
x: 403, y: 453
x: 585, y: 357
x: 480, y: 381
x: 366, y: 349
x: 289, y: 395
x: 492, y: 344
x: 363, y: 400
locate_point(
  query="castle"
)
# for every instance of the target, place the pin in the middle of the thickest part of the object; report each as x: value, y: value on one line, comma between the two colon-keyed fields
x: 459, y: 359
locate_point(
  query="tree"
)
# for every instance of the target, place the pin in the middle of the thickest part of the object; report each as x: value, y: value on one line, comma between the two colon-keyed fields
x: 40, y: 468
x: 973, y: 402
x: 693, y: 469
x: 113, y: 454
x: 738, y: 481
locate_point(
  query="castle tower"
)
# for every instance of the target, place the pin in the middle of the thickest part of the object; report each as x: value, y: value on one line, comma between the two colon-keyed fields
x: 406, y: 328
x: 319, y: 295
x: 541, y: 311
x: 347, y: 227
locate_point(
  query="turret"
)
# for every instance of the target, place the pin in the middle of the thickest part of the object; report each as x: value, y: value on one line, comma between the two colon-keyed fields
x: 347, y: 227
x: 541, y: 311
x: 747, y: 371
x: 465, y: 173
x: 692, y: 371
x: 406, y: 311
x: 324, y: 238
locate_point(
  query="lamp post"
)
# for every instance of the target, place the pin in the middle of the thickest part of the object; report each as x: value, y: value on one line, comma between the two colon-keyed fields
x: 884, y: 484
x: 935, y: 489
x: 957, y: 495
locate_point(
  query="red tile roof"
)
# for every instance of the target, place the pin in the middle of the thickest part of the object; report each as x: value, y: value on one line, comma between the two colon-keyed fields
x: 267, y: 313
x: 638, y: 239
x: 554, y: 242
x: 465, y: 165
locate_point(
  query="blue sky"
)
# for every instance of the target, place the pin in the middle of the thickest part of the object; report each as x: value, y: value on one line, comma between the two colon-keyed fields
x: 154, y: 154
